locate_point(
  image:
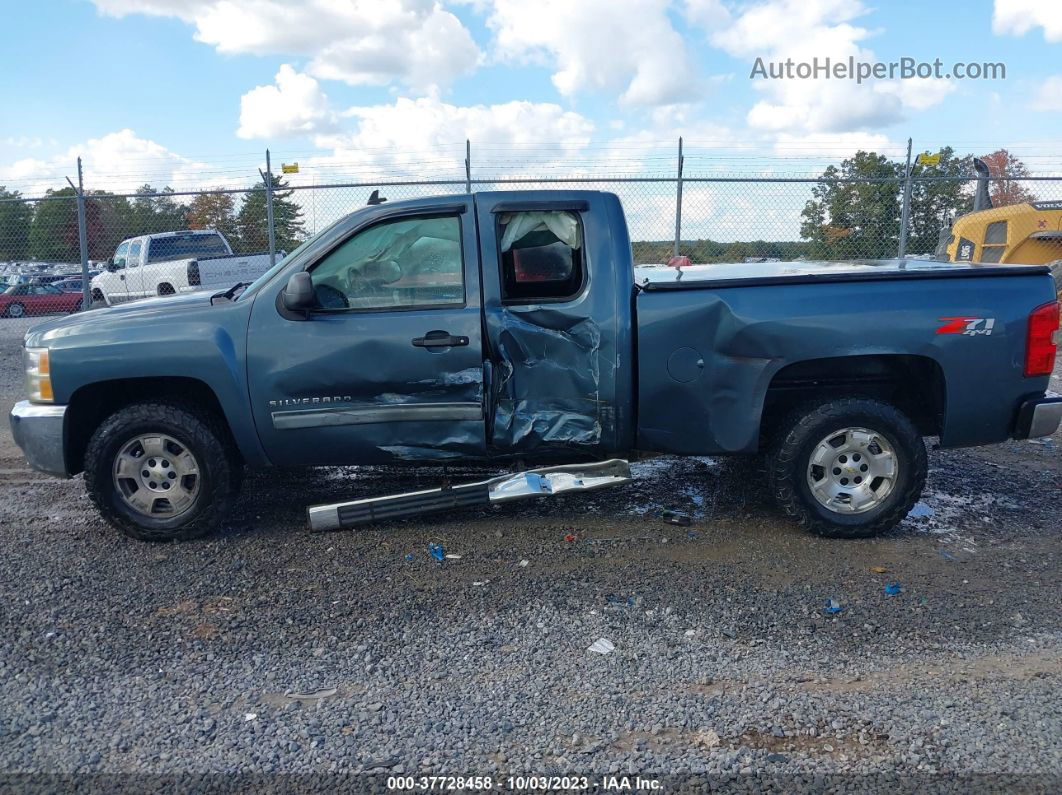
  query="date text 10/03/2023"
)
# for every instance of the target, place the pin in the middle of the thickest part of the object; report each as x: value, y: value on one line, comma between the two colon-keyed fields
x: 523, y: 783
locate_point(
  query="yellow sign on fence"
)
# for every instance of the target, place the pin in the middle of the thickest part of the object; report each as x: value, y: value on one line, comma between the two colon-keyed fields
x: 926, y: 159
x: 289, y: 168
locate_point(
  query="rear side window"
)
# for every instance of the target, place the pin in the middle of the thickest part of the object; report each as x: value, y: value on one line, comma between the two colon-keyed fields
x: 541, y: 255
x: 996, y: 232
x: 186, y: 247
x: 992, y: 253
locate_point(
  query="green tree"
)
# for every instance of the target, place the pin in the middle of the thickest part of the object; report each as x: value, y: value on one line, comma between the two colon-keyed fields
x: 855, y: 210
x: 288, y: 227
x: 935, y: 201
x: 153, y: 211
x: 16, y: 218
x: 214, y: 211
x: 53, y: 235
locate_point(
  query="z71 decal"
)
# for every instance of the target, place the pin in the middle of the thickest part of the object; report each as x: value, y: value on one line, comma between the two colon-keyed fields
x: 971, y: 326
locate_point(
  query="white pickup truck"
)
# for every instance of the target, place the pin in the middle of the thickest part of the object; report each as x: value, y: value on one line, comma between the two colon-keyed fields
x: 173, y: 262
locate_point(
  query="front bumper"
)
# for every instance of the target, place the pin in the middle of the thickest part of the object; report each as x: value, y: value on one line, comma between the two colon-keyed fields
x: 1039, y: 417
x: 39, y: 430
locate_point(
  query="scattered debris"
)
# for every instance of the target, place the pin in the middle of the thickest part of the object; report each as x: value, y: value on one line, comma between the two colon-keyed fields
x: 602, y: 646
x: 921, y: 510
x: 729, y: 632
x: 690, y: 633
x: 892, y: 589
x: 316, y: 695
x: 436, y: 551
x: 675, y: 517
x: 833, y: 606
x: 569, y: 538
x: 879, y: 569
x: 249, y: 716
x: 480, y: 582
x: 523, y: 564
x: 409, y: 556
x: 453, y: 557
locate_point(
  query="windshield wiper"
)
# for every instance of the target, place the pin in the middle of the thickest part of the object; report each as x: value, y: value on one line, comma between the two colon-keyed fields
x: 230, y: 293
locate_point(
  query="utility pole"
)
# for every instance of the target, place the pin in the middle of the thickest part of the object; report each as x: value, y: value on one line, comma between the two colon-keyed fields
x: 905, y: 212
x: 267, y: 178
x: 82, y: 235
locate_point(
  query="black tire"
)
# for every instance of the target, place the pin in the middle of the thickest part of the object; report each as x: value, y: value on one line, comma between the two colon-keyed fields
x: 204, y: 437
x: 98, y: 301
x: 11, y: 311
x: 166, y: 289
x: 789, y: 459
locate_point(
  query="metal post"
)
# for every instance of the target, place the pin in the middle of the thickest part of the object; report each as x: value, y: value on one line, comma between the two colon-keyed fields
x: 678, y: 202
x: 905, y: 212
x: 82, y: 235
x: 468, y: 166
x: 267, y: 179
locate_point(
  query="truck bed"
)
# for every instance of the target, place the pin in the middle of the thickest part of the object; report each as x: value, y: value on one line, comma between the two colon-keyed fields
x: 737, y: 274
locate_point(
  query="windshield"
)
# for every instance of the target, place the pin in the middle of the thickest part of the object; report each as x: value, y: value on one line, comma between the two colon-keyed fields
x: 185, y: 246
x: 269, y: 274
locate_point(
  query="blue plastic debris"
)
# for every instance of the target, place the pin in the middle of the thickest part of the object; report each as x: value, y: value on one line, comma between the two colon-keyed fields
x: 437, y: 552
x: 409, y: 556
x: 833, y: 606
x: 892, y: 589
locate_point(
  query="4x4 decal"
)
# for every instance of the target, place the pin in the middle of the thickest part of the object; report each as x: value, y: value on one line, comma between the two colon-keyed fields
x: 971, y: 326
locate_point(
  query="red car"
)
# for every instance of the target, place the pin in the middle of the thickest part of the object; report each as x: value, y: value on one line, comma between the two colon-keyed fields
x: 37, y: 299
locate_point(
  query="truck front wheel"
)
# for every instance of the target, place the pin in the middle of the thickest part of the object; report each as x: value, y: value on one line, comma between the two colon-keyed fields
x: 849, y: 468
x: 161, y: 472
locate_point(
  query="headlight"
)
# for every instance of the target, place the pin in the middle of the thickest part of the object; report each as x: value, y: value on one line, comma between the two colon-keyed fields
x: 38, y: 375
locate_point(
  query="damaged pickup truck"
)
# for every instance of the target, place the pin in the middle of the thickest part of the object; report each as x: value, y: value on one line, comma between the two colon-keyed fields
x: 513, y: 328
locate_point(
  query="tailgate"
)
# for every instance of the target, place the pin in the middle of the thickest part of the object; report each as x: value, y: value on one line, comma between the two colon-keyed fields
x: 226, y: 271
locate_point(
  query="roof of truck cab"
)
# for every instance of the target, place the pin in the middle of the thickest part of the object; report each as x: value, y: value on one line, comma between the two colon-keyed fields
x: 725, y: 274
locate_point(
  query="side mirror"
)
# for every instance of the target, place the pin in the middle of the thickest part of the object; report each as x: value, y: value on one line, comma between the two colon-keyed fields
x: 299, y: 295
x: 110, y: 265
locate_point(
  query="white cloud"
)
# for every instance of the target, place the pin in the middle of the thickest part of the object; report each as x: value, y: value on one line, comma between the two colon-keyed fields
x: 293, y: 105
x: 804, y: 30
x: 626, y: 47
x: 118, y: 162
x: 414, y: 134
x: 1018, y: 17
x: 360, y: 42
x: 1049, y: 95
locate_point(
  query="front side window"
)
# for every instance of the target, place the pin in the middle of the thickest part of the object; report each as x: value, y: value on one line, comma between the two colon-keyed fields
x: 406, y: 262
x: 541, y: 255
x: 134, y: 254
x: 119, y: 255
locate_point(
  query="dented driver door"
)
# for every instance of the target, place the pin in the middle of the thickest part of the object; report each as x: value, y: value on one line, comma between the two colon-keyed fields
x: 390, y: 367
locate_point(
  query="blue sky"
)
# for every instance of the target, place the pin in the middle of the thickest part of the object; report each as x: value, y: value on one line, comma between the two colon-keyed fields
x: 190, y: 92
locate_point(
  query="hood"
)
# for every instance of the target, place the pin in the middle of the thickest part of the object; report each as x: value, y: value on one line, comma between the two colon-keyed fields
x: 81, y: 322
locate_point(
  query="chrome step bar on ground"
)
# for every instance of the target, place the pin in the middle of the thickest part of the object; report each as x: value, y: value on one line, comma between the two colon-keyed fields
x: 545, y: 482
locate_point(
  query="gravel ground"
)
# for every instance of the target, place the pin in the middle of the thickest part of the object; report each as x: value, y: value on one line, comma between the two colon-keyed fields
x: 268, y: 649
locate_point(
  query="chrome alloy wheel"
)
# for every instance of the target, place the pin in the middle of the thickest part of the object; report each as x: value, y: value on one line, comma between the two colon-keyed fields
x: 156, y: 476
x: 852, y: 470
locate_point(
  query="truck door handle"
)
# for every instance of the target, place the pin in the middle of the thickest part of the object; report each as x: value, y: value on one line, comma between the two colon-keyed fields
x: 439, y: 339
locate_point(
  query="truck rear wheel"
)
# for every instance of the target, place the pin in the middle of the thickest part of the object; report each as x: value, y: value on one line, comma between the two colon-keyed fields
x: 161, y: 472
x: 849, y: 468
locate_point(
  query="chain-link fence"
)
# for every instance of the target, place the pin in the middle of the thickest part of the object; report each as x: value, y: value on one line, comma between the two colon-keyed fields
x: 74, y: 248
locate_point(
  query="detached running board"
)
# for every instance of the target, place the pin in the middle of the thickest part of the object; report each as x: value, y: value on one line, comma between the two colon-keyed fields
x: 545, y: 482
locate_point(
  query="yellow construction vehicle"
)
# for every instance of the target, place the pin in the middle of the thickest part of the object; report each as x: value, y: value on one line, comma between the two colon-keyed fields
x: 1029, y: 233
